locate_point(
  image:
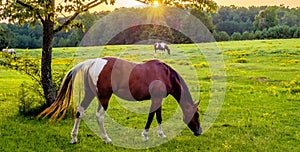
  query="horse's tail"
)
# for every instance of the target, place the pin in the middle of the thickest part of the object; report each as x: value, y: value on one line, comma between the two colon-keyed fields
x: 64, y: 97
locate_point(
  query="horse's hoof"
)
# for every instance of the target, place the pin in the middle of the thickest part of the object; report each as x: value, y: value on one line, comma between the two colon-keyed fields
x: 145, y: 135
x: 162, y: 135
x: 145, y: 139
x: 107, y: 140
x: 73, y: 141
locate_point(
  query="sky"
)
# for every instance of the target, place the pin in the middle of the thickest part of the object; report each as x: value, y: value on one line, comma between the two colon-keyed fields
x: 246, y: 3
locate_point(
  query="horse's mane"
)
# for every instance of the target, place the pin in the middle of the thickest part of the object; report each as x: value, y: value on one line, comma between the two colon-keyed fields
x: 176, y: 77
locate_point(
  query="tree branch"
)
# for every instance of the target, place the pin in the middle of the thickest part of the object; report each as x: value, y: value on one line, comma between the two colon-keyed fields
x: 144, y: 1
x: 31, y: 8
x: 91, y: 6
x: 66, y: 23
x: 82, y: 9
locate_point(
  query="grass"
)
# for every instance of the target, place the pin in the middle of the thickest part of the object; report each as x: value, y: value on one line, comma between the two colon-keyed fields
x: 260, y: 111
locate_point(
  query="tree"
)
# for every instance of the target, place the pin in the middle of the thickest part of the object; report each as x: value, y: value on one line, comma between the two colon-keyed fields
x: 6, y: 37
x: 235, y: 19
x: 221, y: 36
x: 266, y: 18
x: 236, y: 36
x: 247, y: 35
x: 47, y: 14
x: 205, y: 18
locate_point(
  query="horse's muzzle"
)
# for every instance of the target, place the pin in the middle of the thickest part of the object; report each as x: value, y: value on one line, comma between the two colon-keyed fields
x: 198, y: 132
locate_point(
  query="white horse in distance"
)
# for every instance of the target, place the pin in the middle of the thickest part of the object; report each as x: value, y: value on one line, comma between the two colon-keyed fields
x: 10, y: 51
x: 161, y: 46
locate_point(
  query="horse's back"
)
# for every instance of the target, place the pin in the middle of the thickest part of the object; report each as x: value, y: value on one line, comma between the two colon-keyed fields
x: 114, y: 78
x: 151, y: 78
x: 132, y: 81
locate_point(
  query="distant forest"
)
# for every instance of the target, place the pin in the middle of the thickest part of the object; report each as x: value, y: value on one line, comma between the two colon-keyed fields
x: 228, y: 23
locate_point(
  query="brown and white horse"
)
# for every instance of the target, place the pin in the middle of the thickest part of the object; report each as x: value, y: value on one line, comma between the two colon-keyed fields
x: 131, y: 81
x: 161, y: 46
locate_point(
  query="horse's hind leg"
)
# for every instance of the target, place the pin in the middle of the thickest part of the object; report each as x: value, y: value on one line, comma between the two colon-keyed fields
x: 103, y: 103
x: 79, y: 113
x: 89, y: 95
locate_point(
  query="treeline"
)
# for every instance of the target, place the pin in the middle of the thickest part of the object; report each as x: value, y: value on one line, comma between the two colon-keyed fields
x: 228, y: 23
x: 240, y: 23
x: 276, y: 32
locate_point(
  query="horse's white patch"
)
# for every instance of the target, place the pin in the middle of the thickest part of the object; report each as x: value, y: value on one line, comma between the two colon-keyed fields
x: 100, y: 118
x: 96, y: 69
x: 156, y: 45
x: 163, y: 45
x: 80, y: 109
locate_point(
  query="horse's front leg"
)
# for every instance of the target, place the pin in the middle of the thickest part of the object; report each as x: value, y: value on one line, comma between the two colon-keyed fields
x: 146, y: 130
x: 155, y: 105
x: 159, y: 120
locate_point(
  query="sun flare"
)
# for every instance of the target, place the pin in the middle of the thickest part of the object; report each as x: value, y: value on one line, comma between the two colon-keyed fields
x: 155, y: 4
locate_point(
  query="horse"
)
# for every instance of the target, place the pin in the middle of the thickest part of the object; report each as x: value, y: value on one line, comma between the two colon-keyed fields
x: 131, y: 81
x: 11, y: 51
x: 161, y: 46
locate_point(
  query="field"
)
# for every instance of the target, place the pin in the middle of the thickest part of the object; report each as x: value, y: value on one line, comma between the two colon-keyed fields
x: 260, y: 111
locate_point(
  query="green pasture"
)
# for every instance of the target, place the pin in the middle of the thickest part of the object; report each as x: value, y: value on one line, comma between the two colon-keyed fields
x: 260, y: 111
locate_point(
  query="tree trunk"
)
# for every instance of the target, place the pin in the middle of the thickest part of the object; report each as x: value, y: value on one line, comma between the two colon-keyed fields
x: 48, y: 35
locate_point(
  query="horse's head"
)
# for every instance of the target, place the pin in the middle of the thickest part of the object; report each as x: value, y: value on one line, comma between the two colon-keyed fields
x: 192, y: 120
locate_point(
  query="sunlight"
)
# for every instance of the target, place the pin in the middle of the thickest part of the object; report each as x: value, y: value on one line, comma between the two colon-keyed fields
x: 155, y: 4
x: 156, y: 14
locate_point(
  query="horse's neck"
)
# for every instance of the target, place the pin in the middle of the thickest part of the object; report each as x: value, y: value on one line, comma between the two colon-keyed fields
x: 185, y: 102
x: 182, y: 94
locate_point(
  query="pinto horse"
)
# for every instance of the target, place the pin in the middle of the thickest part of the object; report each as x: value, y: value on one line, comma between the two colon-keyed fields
x: 130, y: 81
x: 161, y: 46
x: 10, y: 51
